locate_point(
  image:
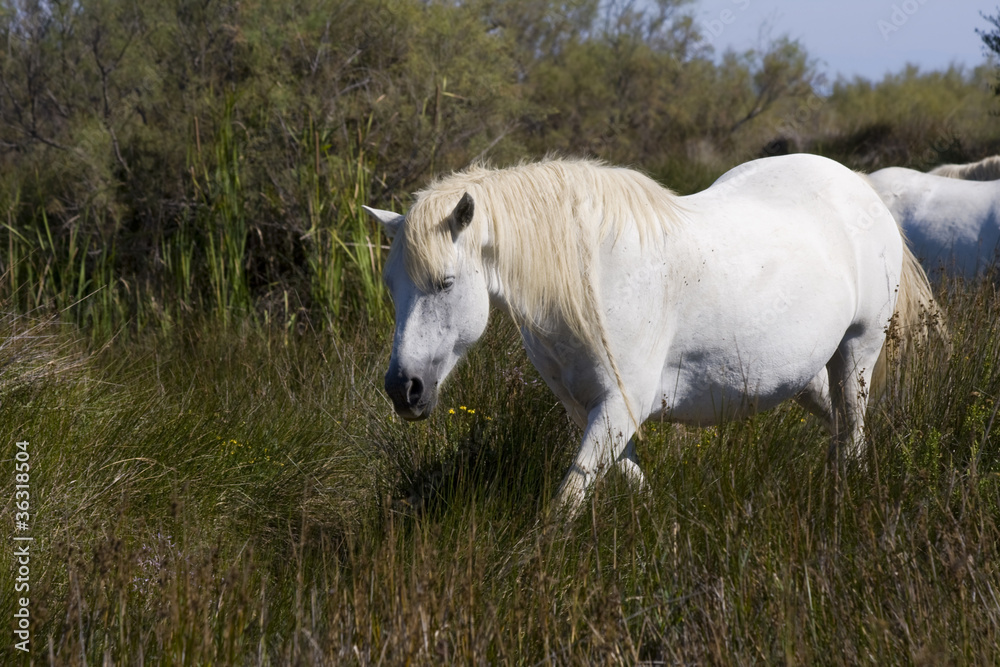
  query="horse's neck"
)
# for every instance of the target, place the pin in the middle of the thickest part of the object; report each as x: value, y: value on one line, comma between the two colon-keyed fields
x: 503, y: 297
x: 499, y: 291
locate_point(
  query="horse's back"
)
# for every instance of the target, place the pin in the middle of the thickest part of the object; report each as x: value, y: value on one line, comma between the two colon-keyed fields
x: 807, y: 201
x: 784, y: 256
x: 948, y: 221
x: 810, y: 217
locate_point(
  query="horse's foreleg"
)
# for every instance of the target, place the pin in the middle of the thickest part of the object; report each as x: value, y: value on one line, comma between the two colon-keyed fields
x: 605, y: 442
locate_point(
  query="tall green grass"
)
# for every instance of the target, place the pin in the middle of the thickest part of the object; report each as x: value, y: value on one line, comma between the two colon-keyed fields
x: 233, y: 494
x: 222, y: 221
x: 344, y: 250
x: 58, y: 270
x: 199, y: 262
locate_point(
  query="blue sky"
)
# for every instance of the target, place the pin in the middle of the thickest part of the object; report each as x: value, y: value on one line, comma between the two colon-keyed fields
x: 855, y: 37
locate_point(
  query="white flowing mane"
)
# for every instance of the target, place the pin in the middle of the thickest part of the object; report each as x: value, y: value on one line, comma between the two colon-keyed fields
x: 543, y: 224
x: 987, y: 169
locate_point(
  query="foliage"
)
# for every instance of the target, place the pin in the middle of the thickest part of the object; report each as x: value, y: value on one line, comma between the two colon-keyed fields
x: 161, y: 160
x: 913, y: 118
x: 199, y: 146
x: 991, y: 38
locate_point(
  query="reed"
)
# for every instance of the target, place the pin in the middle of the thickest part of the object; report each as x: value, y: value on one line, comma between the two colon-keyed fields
x: 345, y: 251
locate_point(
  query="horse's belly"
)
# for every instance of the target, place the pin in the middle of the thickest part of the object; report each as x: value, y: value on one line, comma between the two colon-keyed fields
x: 729, y: 368
x: 707, y: 396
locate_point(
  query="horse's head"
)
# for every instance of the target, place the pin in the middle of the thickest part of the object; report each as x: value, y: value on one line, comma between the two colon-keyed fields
x: 442, y: 303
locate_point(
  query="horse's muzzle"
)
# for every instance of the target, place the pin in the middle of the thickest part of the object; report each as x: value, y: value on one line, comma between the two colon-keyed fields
x: 412, y: 400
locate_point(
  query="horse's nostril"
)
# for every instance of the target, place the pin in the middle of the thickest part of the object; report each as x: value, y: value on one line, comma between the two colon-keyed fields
x: 414, y: 390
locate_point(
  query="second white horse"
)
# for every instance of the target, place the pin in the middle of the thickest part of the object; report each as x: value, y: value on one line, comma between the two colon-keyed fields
x: 953, y: 225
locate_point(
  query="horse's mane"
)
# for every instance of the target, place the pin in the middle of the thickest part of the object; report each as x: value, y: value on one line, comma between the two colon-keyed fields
x: 987, y: 169
x: 542, y: 224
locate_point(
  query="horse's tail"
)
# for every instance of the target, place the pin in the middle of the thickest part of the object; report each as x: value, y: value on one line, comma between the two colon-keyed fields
x: 916, y: 320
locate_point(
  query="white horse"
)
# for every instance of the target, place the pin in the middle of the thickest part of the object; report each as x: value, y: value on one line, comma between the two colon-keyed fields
x: 952, y: 224
x: 777, y: 282
x: 987, y: 169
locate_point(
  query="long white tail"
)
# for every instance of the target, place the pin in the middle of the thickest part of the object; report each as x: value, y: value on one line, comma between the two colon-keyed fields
x: 917, y: 319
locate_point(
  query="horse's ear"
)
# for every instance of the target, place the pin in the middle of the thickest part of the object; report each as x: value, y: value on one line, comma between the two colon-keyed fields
x: 462, y: 215
x: 391, y: 222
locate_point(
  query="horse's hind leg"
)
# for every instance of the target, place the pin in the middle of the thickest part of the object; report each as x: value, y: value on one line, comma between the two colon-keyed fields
x: 816, y: 398
x: 628, y: 463
x: 850, y: 372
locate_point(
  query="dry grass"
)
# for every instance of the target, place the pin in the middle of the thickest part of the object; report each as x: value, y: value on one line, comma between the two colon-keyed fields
x: 206, y: 497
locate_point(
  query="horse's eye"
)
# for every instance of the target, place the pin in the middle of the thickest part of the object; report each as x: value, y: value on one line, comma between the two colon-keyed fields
x: 446, y: 283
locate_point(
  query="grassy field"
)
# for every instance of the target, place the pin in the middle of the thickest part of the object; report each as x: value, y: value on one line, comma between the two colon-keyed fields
x: 238, y: 494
